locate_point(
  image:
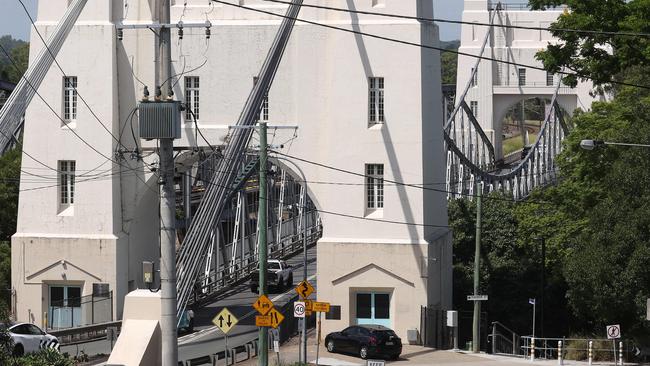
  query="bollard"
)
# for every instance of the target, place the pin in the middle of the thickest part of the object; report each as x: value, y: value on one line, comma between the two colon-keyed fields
x: 591, y: 352
x: 559, y: 353
x: 620, y: 353
x: 532, y: 349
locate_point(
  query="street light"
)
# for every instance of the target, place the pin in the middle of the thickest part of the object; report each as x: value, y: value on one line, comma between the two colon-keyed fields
x: 592, y: 144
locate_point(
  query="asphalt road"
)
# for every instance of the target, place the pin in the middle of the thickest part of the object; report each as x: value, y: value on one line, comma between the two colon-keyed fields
x: 208, y: 339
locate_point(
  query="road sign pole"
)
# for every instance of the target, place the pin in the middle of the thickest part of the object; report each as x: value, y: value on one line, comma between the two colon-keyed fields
x: 477, y: 264
x: 318, y: 339
x: 262, y: 225
x: 225, y: 352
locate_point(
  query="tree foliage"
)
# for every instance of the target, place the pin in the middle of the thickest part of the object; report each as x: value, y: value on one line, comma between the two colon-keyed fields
x: 600, y: 57
x: 19, y: 51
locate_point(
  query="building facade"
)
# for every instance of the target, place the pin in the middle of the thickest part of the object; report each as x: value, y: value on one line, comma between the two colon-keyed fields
x: 362, y: 105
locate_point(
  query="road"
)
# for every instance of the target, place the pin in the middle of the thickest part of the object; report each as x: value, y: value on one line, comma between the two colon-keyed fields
x: 208, y: 339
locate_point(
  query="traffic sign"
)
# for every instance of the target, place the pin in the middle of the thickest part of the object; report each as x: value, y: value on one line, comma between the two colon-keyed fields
x: 613, y: 331
x: 263, y: 304
x: 309, y: 306
x: 262, y: 321
x: 299, y: 309
x: 321, y: 307
x: 225, y: 320
x: 477, y: 297
x: 276, y: 317
x: 304, y: 289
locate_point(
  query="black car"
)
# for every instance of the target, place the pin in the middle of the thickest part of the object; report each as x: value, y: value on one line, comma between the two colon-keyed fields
x: 365, y: 341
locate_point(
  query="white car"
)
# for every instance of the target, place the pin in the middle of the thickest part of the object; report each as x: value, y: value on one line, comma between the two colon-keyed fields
x: 30, y: 338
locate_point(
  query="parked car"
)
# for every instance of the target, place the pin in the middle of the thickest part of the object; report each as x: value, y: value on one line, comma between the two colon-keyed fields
x: 29, y: 338
x: 278, y: 275
x: 365, y: 341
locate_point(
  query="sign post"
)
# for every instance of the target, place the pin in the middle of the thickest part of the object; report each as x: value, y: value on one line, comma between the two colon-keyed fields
x: 225, y: 321
x: 614, y: 333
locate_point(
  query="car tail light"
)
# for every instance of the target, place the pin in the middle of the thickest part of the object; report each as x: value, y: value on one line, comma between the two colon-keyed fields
x: 373, y: 341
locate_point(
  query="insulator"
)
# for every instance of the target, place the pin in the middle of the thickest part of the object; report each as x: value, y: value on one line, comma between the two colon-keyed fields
x: 207, y: 32
x: 120, y: 34
x: 180, y: 33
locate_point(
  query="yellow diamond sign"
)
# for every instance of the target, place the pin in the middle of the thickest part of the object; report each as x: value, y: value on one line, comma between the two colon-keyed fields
x: 225, y: 320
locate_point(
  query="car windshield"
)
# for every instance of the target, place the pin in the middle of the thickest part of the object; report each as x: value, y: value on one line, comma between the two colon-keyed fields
x: 274, y: 265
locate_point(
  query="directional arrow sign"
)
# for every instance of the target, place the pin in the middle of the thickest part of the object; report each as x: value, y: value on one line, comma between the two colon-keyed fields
x: 225, y: 320
x: 304, y: 289
x: 263, y: 305
x: 276, y: 317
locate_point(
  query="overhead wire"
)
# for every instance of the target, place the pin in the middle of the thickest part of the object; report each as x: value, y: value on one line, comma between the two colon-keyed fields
x: 441, y: 20
x: 441, y: 49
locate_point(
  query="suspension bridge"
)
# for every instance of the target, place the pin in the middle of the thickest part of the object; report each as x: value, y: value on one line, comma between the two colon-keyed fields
x: 218, y: 190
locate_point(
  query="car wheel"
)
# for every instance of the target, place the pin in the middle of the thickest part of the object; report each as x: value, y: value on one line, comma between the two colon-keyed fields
x: 363, y: 352
x: 253, y: 289
x: 290, y: 280
x: 18, y: 351
x: 394, y: 357
x: 330, y: 346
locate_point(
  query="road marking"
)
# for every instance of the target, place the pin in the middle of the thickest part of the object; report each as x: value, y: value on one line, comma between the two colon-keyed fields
x: 213, y: 329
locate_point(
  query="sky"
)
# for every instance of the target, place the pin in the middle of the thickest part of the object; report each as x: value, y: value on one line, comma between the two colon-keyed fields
x: 13, y: 20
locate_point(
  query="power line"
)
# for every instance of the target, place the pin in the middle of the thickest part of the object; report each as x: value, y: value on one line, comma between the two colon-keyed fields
x: 440, y: 20
x: 397, y: 182
x: 399, y: 41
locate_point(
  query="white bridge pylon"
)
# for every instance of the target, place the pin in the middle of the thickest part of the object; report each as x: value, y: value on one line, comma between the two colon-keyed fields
x: 499, y: 77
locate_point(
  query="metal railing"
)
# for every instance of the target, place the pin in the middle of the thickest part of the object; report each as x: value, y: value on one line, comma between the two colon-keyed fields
x: 82, y: 311
x: 504, y: 340
x: 233, y: 273
x: 576, y: 349
x: 85, y: 334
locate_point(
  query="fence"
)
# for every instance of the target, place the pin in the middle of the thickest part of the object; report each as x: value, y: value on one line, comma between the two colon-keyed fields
x: 577, y: 349
x: 79, y: 312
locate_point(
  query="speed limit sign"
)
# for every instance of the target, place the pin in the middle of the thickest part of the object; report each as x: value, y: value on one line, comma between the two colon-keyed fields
x: 299, y: 309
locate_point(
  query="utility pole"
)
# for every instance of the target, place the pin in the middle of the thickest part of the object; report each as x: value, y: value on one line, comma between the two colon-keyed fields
x: 168, y: 321
x: 263, y: 225
x: 477, y: 263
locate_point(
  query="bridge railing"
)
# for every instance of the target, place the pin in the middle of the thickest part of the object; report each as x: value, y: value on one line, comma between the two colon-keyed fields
x: 232, y: 273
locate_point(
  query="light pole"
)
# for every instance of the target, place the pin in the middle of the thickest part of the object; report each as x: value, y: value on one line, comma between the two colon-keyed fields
x: 592, y: 144
x: 303, y: 345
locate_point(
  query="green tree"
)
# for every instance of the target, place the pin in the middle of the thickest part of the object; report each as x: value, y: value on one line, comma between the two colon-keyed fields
x: 20, y: 56
x: 449, y: 62
x: 600, y: 57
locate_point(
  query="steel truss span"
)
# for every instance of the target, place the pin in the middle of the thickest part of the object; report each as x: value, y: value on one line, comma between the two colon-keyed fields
x: 198, y: 242
x: 471, y: 156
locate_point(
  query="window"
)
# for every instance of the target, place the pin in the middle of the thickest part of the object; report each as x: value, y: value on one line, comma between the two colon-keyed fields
x: 522, y: 77
x: 70, y: 98
x: 66, y: 182
x: 474, y: 77
x: 373, y: 308
x: 264, y: 109
x: 549, y: 79
x: 473, y: 106
x: 376, y: 101
x: 375, y: 186
x: 191, y: 98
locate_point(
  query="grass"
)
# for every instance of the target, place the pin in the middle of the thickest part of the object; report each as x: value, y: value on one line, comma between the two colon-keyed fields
x: 516, y: 143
